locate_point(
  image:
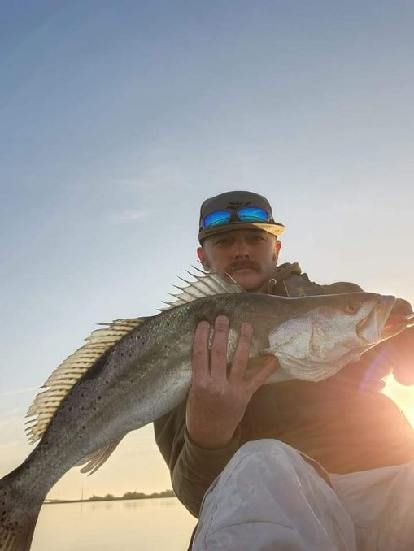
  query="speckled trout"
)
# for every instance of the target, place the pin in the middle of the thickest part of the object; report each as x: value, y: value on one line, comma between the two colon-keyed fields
x: 131, y: 372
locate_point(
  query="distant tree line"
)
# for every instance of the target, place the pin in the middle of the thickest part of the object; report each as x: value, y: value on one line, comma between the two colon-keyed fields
x: 133, y: 495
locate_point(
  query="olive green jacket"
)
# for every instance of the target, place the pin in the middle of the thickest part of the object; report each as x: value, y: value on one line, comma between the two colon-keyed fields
x: 344, y: 423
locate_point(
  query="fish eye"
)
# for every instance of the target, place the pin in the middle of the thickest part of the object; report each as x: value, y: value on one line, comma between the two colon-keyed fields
x: 351, y: 308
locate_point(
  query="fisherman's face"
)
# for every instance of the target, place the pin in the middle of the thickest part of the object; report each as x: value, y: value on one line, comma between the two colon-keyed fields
x: 249, y: 256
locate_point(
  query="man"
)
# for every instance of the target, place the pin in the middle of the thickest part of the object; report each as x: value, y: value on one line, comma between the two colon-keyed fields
x: 275, y: 493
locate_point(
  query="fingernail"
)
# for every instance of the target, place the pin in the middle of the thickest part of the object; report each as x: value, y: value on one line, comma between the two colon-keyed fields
x: 247, y: 328
x: 222, y: 320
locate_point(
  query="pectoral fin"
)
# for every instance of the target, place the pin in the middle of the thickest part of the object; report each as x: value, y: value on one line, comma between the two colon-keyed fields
x: 96, y: 459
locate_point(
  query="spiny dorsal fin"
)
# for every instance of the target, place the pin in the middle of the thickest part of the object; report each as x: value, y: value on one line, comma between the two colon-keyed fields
x: 68, y: 373
x: 204, y: 284
x: 96, y: 459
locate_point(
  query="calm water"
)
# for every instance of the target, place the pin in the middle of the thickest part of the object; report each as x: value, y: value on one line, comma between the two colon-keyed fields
x: 150, y: 524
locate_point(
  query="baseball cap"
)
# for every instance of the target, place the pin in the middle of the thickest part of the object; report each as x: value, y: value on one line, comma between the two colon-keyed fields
x: 236, y: 210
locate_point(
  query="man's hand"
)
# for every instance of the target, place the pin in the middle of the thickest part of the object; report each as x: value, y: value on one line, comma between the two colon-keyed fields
x: 219, y: 396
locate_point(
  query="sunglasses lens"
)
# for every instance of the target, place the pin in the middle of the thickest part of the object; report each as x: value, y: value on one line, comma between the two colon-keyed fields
x: 253, y: 214
x: 216, y: 219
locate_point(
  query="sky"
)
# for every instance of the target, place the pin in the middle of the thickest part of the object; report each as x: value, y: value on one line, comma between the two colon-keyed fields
x: 118, y: 118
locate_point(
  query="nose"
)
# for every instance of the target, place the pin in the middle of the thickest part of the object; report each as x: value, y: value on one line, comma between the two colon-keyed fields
x: 241, y: 250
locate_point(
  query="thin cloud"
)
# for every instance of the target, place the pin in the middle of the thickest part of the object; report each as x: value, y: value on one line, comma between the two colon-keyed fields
x: 129, y: 215
x: 18, y: 391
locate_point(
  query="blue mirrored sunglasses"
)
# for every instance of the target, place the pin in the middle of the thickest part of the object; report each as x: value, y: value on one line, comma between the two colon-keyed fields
x: 244, y: 214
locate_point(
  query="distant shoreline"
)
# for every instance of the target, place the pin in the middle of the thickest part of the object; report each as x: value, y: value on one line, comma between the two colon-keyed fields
x: 129, y: 496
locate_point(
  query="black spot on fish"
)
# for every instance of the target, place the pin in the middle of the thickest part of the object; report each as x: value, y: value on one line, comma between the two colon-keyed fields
x: 96, y: 369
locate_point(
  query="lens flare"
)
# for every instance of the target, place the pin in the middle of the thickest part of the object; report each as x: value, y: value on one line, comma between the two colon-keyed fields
x: 402, y: 395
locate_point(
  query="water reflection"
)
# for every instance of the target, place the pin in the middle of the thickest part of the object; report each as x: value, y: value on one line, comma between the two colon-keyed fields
x: 161, y: 524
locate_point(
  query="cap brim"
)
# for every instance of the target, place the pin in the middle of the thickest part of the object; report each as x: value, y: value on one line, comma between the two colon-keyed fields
x: 275, y: 229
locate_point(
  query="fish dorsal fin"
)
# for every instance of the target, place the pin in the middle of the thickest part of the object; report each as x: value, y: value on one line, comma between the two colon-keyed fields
x: 68, y: 373
x: 96, y: 459
x: 204, y: 284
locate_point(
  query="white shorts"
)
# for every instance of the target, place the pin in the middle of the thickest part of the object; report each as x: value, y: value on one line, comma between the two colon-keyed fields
x: 269, y: 498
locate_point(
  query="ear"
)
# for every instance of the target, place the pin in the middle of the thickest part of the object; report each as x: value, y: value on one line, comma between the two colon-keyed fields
x: 276, y: 249
x: 202, y: 257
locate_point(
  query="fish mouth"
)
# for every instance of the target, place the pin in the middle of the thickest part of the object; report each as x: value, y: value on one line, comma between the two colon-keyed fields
x: 371, y: 328
x: 399, y: 318
x: 397, y: 323
x: 394, y: 317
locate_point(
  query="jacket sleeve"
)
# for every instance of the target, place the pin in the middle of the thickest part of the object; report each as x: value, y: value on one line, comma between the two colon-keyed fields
x: 192, y: 468
x: 301, y: 285
x: 290, y: 281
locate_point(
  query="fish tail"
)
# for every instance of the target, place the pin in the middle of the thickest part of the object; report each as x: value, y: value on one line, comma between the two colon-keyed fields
x: 19, y: 509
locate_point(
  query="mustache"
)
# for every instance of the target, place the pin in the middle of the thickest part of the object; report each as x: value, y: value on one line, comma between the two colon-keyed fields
x: 243, y: 264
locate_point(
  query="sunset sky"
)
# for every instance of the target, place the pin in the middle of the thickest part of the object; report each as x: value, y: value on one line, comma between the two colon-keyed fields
x: 119, y: 118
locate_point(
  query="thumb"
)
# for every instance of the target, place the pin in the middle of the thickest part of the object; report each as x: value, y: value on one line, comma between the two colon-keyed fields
x: 262, y: 367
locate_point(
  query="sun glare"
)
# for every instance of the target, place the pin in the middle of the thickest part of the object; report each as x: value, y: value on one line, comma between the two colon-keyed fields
x: 402, y: 395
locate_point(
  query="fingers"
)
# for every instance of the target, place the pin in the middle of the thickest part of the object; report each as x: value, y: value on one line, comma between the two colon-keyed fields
x: 241, y: 355
x: 218, y: 357
x: 212, y: 364
x: 200, y: 355
x: 265, y: 367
